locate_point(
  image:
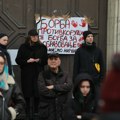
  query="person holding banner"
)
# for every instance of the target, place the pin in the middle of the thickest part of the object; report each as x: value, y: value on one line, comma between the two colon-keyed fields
x: 89, y: 58
x: 32, y: 57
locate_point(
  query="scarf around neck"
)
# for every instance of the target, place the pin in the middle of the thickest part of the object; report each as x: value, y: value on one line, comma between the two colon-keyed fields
x: 3, y: 79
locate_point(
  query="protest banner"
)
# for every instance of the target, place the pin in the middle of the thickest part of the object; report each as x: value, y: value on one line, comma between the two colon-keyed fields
x: 61, y: 35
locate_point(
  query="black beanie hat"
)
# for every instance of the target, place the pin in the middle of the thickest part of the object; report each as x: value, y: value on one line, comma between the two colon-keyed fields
x: 53, y: 54
x: 86, y: 33
x: 2, y: 35
x: 33, y: 32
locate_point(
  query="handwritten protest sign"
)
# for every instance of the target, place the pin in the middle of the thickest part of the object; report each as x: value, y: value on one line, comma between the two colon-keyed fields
x: 63, y: 36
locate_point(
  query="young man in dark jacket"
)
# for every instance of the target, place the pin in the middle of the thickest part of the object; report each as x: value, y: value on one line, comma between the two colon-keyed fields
x: 54, y: 87
x: 88, y: 58
x: 82, y: 105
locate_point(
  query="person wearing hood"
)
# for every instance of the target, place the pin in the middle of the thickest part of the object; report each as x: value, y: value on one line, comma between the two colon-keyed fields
x: 89, y: 58
x: 54, y: 88
x: 12, y: 103
x: 3, y: 48
x: 82, y: 105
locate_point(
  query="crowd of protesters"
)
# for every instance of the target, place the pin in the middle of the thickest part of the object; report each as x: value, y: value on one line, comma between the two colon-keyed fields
x: 48, y: 91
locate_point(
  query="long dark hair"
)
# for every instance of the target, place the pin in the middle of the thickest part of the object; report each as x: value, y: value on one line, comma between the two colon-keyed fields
x: 29, y: 41
x: 3, y: 56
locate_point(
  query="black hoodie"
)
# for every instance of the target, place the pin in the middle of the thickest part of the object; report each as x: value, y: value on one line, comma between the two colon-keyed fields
x: 80, y: 105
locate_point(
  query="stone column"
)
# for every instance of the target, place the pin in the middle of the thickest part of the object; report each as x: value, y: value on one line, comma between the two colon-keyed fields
x: 113, y: 29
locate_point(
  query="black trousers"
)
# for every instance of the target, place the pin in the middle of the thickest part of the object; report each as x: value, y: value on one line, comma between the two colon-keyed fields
x: 32, y: 107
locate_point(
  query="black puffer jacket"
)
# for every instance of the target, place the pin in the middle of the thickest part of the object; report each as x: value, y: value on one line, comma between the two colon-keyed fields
x: 11, y: 98
x: 52, y: 101
x: 80, y: 105
x: 84, y: 61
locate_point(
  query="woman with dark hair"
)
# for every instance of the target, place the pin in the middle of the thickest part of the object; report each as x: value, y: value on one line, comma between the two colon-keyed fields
x: 12, y: 103
x: 3, y: 48
x: 82, y: 105
x: 32, y: 57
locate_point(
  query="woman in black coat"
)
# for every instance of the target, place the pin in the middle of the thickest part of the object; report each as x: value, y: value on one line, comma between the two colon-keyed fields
x: 12, y: 103
x: 32, y: 57
x: 82, y: 105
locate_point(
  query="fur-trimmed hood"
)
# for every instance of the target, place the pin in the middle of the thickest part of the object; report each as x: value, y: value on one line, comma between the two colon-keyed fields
x: 10, y: 80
